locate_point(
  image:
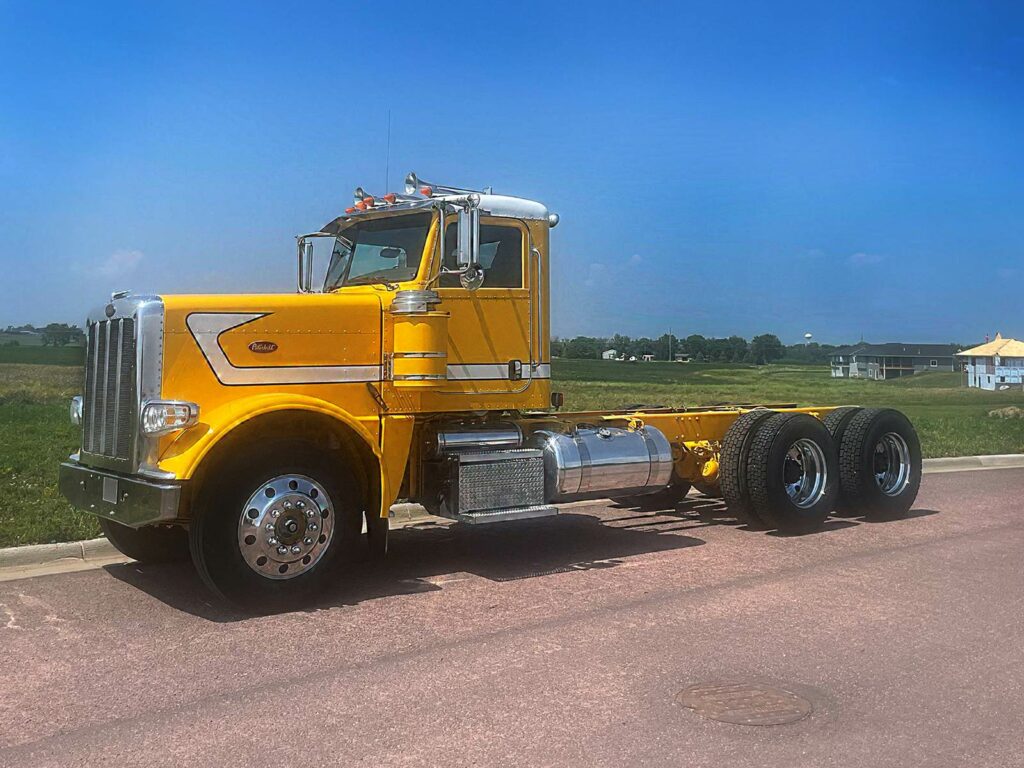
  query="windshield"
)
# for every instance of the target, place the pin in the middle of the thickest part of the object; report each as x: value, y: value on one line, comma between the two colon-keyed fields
x: 386, y: 250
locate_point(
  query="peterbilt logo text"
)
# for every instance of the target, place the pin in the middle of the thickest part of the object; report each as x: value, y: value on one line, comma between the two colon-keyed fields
x: 263, y: 347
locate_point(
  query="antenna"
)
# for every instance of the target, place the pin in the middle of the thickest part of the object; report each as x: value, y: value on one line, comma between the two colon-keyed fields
x: 387, y: 157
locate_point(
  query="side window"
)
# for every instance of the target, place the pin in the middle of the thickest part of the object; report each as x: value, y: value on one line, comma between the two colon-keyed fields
x: 501, y: 256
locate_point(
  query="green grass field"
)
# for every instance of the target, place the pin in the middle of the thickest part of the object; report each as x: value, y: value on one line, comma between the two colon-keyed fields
x: 951, y: 419
x: 40, y: 355
x: 35, y: 435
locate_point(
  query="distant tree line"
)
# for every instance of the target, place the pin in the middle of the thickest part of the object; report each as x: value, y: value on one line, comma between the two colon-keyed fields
x: 51, y: 335
x: 765, y: 348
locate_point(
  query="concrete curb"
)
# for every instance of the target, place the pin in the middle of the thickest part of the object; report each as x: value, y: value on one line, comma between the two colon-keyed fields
x: 961, y: 463
x: 41, y: 554
x: 35, y: 555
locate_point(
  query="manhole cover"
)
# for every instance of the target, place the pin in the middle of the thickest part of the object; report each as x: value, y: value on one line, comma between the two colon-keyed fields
x: 744, y: 703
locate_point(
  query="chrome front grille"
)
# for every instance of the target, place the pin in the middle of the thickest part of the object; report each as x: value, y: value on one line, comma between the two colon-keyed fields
x: 110, y: 407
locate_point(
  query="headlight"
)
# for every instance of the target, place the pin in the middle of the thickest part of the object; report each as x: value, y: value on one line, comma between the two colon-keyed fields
x: 76, y: 410
x: 162, y: 416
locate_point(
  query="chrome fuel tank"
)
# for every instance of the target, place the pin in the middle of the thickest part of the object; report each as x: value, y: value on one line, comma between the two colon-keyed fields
x: 597, y: 462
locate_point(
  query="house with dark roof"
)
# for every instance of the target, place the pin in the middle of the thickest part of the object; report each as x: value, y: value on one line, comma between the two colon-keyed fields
x: 890, y: 361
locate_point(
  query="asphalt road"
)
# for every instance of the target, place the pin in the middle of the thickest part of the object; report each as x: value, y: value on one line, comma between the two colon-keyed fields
x: 555, y: 642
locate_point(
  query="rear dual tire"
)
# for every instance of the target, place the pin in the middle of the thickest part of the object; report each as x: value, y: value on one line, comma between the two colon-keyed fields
x: 792, y: 472
x: 732, y: 470
x: 879, y: 464
x: 789, y: 471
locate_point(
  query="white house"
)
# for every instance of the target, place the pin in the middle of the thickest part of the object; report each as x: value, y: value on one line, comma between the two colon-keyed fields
x: 610, y: 354
x: 996, y: 364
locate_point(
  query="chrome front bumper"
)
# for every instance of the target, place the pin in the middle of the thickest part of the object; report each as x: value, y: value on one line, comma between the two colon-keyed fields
x: 124, y: 499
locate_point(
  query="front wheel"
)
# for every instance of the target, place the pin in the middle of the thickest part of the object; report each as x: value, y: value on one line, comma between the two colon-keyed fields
x: 275, y: 525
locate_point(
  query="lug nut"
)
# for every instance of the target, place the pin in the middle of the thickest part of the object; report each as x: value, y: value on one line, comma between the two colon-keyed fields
x: 275, y: 513
x: 310, y: 513
x: 270, y: 526
x: 271, y: 541
x: 296, y: 549
x: 300, y: 504
x: 312, y: 526
x: 287, y: 505
x: 307, y: 541
x: 282, y: 550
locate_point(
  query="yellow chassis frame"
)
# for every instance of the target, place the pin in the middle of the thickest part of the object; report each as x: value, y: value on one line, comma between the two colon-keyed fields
x: 695, y: 434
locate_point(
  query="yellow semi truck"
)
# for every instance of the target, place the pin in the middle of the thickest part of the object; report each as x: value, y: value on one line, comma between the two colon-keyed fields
x: 267, y: 436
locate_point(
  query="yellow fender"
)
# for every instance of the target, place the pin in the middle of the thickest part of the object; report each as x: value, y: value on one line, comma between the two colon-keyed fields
x: 185, y: 452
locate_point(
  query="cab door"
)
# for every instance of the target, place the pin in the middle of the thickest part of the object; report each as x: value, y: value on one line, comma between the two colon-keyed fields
x: 490, y: 332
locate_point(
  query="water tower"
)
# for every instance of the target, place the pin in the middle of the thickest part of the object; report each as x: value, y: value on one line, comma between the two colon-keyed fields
x: 807, y: 338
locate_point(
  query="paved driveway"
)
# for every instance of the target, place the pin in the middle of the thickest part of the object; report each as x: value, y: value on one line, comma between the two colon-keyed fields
x: 553, y: 642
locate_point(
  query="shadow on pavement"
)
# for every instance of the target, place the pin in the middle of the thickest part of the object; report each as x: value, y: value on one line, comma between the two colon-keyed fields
x: 506, y: 552
x: 572, y: 541
x: 909, y: 516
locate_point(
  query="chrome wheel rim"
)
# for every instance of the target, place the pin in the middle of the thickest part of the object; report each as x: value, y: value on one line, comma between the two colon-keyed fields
x: 891, y: 464
x: 286, y: 527
x: 805, y: 473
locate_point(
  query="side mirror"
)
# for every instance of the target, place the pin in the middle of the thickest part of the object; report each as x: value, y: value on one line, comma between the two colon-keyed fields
x: 305, y: 265
x: 467, y: 252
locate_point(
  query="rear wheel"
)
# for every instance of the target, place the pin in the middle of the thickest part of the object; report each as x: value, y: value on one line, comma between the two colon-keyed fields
x: 732, y: 464
x: 149, y: 544
x: 880, y: 464
x: 836, y: 423
x: 275, y: 525
x: 792, y: 472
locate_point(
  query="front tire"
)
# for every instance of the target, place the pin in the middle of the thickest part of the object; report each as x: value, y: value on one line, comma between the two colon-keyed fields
x: 149, y: 544
x: 275, y: 524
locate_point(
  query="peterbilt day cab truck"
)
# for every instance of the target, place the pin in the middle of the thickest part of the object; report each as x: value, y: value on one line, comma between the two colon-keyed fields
x: 268, y: 436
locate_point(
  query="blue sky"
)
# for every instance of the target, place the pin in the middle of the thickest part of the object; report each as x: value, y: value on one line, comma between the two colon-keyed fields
x: 719, y: 168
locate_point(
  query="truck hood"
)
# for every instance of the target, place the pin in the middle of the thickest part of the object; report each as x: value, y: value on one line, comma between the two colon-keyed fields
x: 288, y: 340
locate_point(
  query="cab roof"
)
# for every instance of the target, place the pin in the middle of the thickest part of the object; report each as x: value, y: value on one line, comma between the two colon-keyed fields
x: 490, y: 205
